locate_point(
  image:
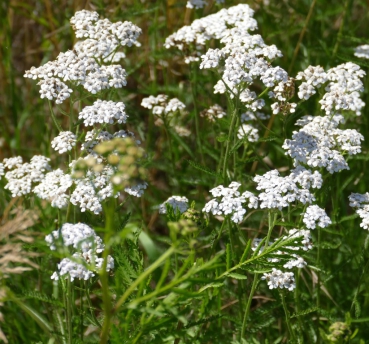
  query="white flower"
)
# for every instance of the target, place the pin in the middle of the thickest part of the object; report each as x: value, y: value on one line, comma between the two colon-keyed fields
x: 174, y: 105
x: 80, y: 236
x: 103, y: 39
x: 103, y: 111
x: 92, y: 190
x: 320, y: 143
x: 54, y: 188
x: 361, y: 201
x: 52, y: 88
x: 136, y: 190
x: 64, y: 142
x: 10, y: 163
x: 279, y: 279
x: 357, y: 200
x: 343, y: 89
x: 313, y: 75
x: 248, y: 131
x: 176, y: 202
x: 196, y: 4
x: 79, y: 266
x: 278, y: 191
x: 362, y: 51
x: 306, y: 91
x: 22, y: 176
x: 73, y: 269
x: 253, y: 116
x: 316, y: 216
x: 229, y: 202
x: 211, y: 59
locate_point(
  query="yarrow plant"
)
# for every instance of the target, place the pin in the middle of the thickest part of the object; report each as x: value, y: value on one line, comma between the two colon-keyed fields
x: 230, y: 226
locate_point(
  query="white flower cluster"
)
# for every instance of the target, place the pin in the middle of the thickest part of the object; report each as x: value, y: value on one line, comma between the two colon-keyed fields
x: 93, y: 189
x: 279, y: 279
x: 136, y: 190
x: 64, y: 142
x: 342, y: 91
x: 279, y: 192
x: 176, y: 202
x: 361, y: 202
x: 79, y: 69
x: 248, y: 131
x: 313, y: 76
x: 213, y: 26
x: 362, y: 51
x: 200, y: 3
x: 283, y: 91
x: 103, y: 112
x: 21, y: 177
x: 213, y: 113
x: 166, y: 109
x: 253, y: 116
x: 160, y: 105
x: 85, y: 261
x: 315, y: 216
x: 196, y: 3
x: 79, y: 236
x: 80, y: 65
x: 87, y: 24
x: 229, y: 201
x: 321, y: 144
x: 54, y: 188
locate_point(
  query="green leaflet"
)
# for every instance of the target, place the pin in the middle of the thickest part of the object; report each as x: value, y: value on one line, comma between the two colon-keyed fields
x: 204, y: 169
x: 236, y: 276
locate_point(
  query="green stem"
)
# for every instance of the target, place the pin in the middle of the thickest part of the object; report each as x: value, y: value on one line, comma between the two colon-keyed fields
x: 54, y: 118
x: 166, y: 128
x: 271, y: 220
x: 297, y: 299
x: 302, y: 34
x: 69, y: 311
x: 248, y: 305
x: 339, y: 36
x: 318, y: 285
x: 109, y: 227
x: 229, y: 142
x: 287, y: 313
x: 194, y: 101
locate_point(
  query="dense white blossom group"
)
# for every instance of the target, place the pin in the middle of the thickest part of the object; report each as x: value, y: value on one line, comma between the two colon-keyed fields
x: 278, y: 192
x: 362, y: 51
x: 85, y: 261
x: 319, y: 143
x: 103, y: 112
x: 64, y: 142
x: 84, y: 64
x: 342, y: 91
x: 229, y: 201
x: 178, y: 203
x: 361, y: 203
